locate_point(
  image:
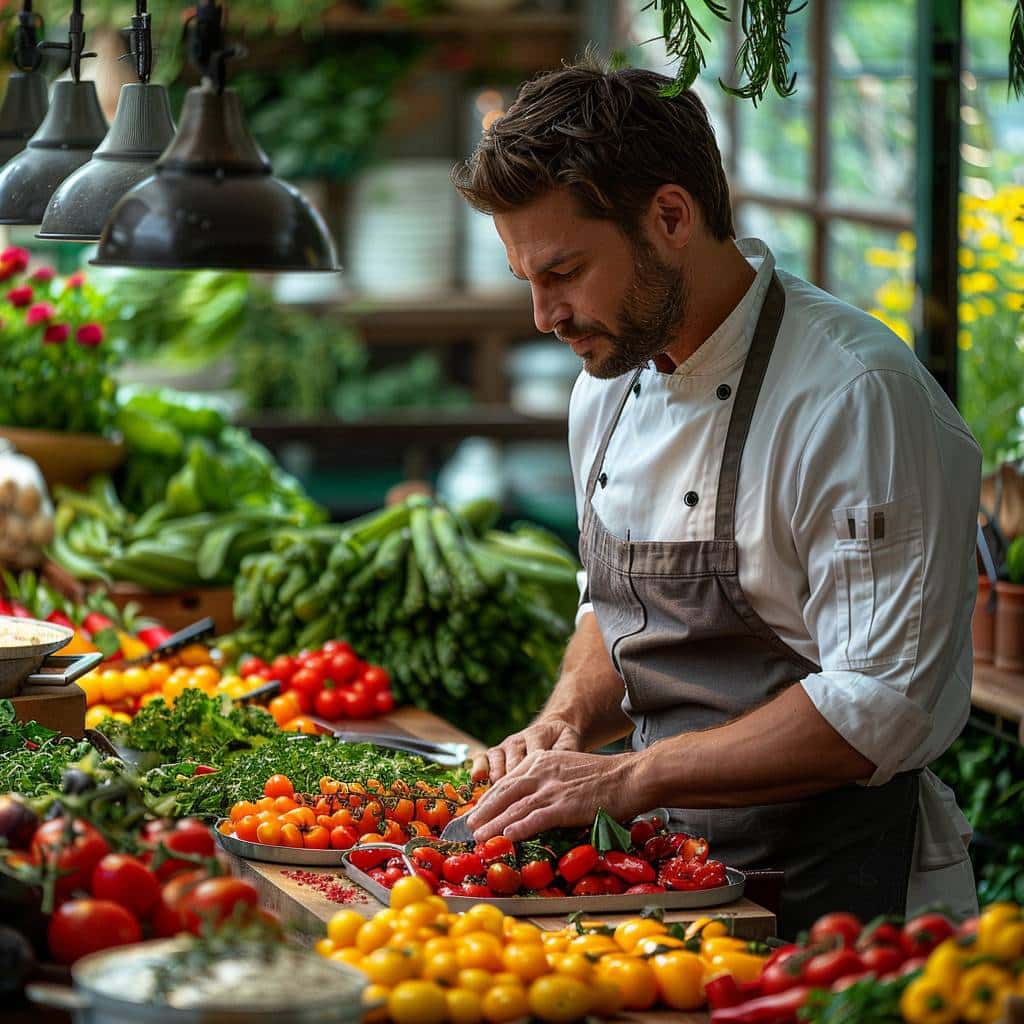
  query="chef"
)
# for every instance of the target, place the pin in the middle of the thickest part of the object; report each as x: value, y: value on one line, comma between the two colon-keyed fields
x: 777, y: 507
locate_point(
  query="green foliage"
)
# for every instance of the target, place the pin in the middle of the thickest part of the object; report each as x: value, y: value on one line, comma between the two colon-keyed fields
x: 1015, y: 560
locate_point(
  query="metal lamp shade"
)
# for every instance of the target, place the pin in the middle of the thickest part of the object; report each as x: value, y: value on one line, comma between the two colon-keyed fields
x: 74, y: 126
x: 141, y: 131
x: 22, y: 113
x: 213, y: 202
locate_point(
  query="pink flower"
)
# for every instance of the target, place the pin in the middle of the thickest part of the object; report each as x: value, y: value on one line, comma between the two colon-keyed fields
x: 43, y: 274
x: 19, y: 257
x: 89, y: 335
x: 40, y: 313
x: 7, y: 269
x: 21, y: 296
x: 56, y: 334
x: 75, y: 280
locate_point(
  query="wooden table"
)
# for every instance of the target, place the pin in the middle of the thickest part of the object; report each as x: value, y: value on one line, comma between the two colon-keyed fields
x: 282, y: 890
x: 1001, y: 693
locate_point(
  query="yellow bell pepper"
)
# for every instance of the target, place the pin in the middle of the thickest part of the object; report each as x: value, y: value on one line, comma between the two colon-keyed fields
x: 743, y: 967
x: 78, y: 645
x: 982, y: 992
x: 131, y: 647
x: 706, y: 928
x: 947, y: 961
x: 726, y: 944
x: 1007, y: 942
x: 928, y: 1001
x: 680, y: 978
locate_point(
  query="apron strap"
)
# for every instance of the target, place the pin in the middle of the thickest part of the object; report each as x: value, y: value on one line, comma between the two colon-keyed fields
x: 747, y: 393
x: 598, y: 463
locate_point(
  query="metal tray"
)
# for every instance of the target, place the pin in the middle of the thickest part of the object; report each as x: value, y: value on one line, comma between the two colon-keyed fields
x: 280, y: 854
x: 535, y: 906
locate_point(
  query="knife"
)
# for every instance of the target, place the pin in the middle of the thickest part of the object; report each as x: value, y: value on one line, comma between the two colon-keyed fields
x: 448, y: 754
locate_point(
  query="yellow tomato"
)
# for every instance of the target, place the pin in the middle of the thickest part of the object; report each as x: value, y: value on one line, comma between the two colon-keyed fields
x: 596, y: 944
x: 651, y: 945
x: 559, y: 998
x: 92, y: 685
x: 438, y: 944
x: 443, y: 967
x: 554, y: 942
x: 634, y: 978
x: 417, y: 914
x: 409, y: 890
x: 487, y: 918
x: 206, y: 674
x: 324, y: 946
x: 372, y: 935
x: 630, y: 932
x: 95, y: 715
x: 479, y: 949
x: 159, y: 672
x: 504, y: 1003
x: 526, y: 960
x: 439, y: 903
x: 112, y: 685
x: 576, y: 965
x: 417, y: 1002
x: 344, y: 926
x: 349, y: 955
x: 171, y: 690
x: 522, y: 931
x: 148, y: 698
x: 387, y: 966
x: 388, y: 916
x: 680, y: 977
x: 476, y: 979
x: 195, y: 655
x: 375, y: 1003
x: 464, y: 1006
x: 404, y: 936
x: 136, y: 681
x: 606, y: 997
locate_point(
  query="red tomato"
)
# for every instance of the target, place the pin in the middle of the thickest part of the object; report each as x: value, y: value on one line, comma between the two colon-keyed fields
x: 429, y: 858
x: 315, y: 662
x: 882, y: 959
x: 695, y: 849
x: 76, y: 859
x: 383, y: 702
x: 579, y: 861
x: 307, y: 681
x: 168, y: 918
x: 428, y: 876
x: 335, y: 646
x: 496, y: 848
x: 537, y: 874
x: 922, y: 934
x: 376, y: 679
x: 780, y: 975
x: 283, y: 668
x: 253, y: 667
x: 215, y: 900
x: 330, y: 702
x: 358, y: 704
x: 127, y: 881
x: 640, y: 831
x: 367, y: 859
x: 447, y: 889
x: 477, y: 890
x: 460, y: 866
x: 392, y: 875
x: 343, y: 837
x: 278, y: 785
x: 503, y: 879
x: 846, y: 927
x: 188, y: 836
x: 821, y: 971
x: 343, y: 667
x: 883, y: 934
x: 80, y: 927
x: 589, y: 885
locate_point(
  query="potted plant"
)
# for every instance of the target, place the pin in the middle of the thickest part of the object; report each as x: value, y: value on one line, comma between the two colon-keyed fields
x: 1009, y: 631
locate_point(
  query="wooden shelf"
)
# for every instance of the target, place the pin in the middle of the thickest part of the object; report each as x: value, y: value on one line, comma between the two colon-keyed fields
x: 423, y: 427
x: 1000, y: 693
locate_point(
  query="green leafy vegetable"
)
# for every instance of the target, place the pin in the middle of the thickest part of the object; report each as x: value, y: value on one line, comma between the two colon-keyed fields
x: 14, y: 734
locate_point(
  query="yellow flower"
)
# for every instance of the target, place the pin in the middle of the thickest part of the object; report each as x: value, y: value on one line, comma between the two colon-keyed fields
x: 1015, y: 302
x: 986, y: 307
x: 964, y: 340
x: 968, y: 314
x: 988, y: 261
x: 1008, y: 252
x: 877, y: 257
x: 979, y: 282
x: 967, y: 258
x: 1015, y: 280
x: 989, y: 240
x: 895, y: 296
x: 906, y: 241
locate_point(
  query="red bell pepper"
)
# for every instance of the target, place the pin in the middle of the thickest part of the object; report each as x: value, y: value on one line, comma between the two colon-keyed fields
x: 58, y: 618
x: 579, y: 861
x: 722, y: 992
x: 777, y: 1009
x: 663, y: 847
x: 154, y: 636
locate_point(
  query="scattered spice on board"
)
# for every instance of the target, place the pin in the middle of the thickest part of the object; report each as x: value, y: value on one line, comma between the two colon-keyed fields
x: 329, y: 886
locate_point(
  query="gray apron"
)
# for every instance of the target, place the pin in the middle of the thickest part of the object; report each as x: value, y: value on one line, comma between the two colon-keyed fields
x: 694, y: 654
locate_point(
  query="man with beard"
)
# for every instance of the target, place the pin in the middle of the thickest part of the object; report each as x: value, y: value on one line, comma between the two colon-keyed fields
x: 777, y: 509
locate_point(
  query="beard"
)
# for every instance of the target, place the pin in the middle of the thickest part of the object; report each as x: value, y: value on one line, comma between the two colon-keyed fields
x: 654, y: 307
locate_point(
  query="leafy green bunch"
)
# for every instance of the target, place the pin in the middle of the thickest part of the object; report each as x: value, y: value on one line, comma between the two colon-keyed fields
x: 56, y: 361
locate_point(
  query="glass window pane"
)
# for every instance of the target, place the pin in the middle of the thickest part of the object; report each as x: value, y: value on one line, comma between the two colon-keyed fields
x: 871, y: 117
x: 874, y: 269
x: 775, y: 136
x: 789, y: 235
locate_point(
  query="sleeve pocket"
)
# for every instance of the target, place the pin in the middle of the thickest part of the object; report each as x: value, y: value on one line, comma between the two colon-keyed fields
x: 878, y: 560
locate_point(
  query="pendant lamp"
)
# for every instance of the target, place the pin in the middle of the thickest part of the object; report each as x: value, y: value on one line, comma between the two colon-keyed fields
x: 73, y: 127
x: 141, y: 130
x: 26, y: 99
x: 212, y: 201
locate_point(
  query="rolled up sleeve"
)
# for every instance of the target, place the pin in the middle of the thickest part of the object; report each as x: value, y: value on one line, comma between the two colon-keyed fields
x: 884, y: 523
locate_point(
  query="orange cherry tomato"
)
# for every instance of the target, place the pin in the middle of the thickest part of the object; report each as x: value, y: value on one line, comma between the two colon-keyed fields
x: 242, y: 810
x: 419, y: 830
x: 317, y: 838
x: 302, y: 724
x: 291, y: 836
x: 394, y: 833
x: 265, y: 803
x: 403, y: 811
x: 303, y: 817
x: 283, y: 804
x: 247, y: 828
x: 278, y: 785
x: 284, y: 707
x: 269, y: 833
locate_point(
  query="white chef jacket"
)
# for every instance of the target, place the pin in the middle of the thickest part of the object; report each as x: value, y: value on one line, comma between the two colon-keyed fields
x: 855, y: 522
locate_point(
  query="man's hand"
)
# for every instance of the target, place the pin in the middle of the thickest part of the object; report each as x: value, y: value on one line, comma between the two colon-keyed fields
x: 544, y: 734
x: 552, y: 788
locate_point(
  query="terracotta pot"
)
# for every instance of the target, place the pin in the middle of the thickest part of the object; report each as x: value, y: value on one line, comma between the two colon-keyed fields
x: 983, y: 624
x: 1009, y: 645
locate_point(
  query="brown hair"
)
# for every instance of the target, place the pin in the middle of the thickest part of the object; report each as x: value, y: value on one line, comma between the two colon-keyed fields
x: 611, y: 137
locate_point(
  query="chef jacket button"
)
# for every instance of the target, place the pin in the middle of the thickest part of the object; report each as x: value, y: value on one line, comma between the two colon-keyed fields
x: 691, y: 498
x: 724, y: 391
x: 636, y: 388
x: 603, y: 479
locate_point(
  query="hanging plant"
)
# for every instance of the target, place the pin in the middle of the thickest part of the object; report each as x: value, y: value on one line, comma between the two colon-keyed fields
x: 1017, y: 49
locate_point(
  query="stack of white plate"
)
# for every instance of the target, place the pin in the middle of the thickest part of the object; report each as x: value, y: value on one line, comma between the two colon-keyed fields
x: 402, y: 229
x: 485, y: 262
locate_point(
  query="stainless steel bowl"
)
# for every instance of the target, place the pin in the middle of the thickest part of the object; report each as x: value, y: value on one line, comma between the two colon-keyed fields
x: 18, y: 661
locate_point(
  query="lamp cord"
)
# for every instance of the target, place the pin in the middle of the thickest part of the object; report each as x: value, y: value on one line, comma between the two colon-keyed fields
x: 140, y: 42
x: 75, y: 44
x: 27, y: 56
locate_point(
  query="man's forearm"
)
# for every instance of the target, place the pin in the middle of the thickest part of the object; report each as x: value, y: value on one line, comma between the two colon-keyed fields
x: 784, y: 750
x: 589, y: 691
